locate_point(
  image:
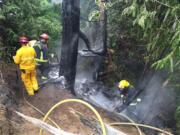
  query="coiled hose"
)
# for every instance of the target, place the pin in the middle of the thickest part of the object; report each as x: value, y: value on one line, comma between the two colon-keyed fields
x: 78, y: 101
x: 46, y: 116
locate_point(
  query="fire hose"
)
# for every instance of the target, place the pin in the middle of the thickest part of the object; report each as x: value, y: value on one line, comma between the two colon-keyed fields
x: 46, y: 116
x: 78, y: 101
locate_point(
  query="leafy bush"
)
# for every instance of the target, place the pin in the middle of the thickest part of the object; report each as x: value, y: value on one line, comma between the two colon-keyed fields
x: 31, y: 18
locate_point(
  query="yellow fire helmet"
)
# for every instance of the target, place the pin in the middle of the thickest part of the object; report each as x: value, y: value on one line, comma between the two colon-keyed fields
x: 123, y: 84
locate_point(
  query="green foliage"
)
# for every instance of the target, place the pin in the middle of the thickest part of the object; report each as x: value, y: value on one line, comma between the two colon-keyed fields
x: 31, y: 18
x: 160, y: 28
x: 152, y: 23
x: 94, y: 15
x: 154, y: 27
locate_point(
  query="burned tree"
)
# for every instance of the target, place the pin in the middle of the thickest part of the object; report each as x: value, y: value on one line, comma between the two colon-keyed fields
x: 103, y: 19
x: 70, y: 36
x: 103, y: 27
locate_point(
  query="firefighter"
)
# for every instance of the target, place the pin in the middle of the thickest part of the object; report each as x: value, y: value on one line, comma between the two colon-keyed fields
x: 41, y: 49
x: 25, y: 58
x: 125, y: 89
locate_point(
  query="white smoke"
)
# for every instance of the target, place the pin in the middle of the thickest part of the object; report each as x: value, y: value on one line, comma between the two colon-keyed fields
x: 157, y: 105
x: 56, y: 1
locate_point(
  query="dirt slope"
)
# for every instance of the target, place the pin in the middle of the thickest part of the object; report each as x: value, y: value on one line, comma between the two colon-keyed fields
x: 11, y: 124
x: 50, y: 95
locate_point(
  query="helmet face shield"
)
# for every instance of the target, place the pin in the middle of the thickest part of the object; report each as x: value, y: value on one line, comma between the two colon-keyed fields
x: 44, y: 36
x: 23, y: 40
x: 121, y: 87
x: 42, y: 40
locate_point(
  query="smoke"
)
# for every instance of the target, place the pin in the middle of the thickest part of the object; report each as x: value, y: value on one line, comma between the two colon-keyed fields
x: 56, y: 1
x: 88, y: 64
x: 158, y: 104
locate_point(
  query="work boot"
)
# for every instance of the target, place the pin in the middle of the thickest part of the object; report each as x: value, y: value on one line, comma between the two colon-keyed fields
x: 30, y: 92
x: 36, y: 90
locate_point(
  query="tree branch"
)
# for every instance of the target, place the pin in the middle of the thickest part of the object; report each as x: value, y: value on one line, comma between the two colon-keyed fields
x: 162, y: 3
x: 44, y: 125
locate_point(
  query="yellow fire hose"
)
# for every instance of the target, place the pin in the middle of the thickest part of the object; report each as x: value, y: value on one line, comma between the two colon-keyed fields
x: 46, y: 116
x: 141, y: 125
x: 78, y: 101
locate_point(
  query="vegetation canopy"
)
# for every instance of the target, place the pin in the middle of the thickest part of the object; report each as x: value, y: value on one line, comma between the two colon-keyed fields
x: 30, y: 18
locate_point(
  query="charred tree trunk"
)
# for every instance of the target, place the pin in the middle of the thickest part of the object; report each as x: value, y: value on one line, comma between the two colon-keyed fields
x: 103, y: 25
x: 88, y: 44
x: 70, y: 36
x: 103, y: 18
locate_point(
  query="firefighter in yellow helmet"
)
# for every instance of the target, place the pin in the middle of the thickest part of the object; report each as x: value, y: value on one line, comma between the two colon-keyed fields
x: 126, y: 89
x: 25, y: 58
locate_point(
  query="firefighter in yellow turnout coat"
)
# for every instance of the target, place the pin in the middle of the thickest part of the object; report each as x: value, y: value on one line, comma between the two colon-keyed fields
x: 25, y: 57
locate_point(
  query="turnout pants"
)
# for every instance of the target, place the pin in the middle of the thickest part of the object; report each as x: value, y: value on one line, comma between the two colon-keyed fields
x: 44, y: 68
x: 30, y: 81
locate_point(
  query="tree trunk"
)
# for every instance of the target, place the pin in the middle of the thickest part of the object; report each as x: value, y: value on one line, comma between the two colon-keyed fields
x: 88, y: 44
x: 103, y: 19
x: 70, y: 36
x: 43, y: 125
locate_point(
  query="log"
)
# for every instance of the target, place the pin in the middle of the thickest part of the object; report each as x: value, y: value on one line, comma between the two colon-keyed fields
x: 88, y: 121
x: 44, y: 125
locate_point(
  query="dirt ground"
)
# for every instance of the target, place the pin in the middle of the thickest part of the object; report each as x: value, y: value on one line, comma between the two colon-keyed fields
x: 44, y: 100
x: 63, y: 116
